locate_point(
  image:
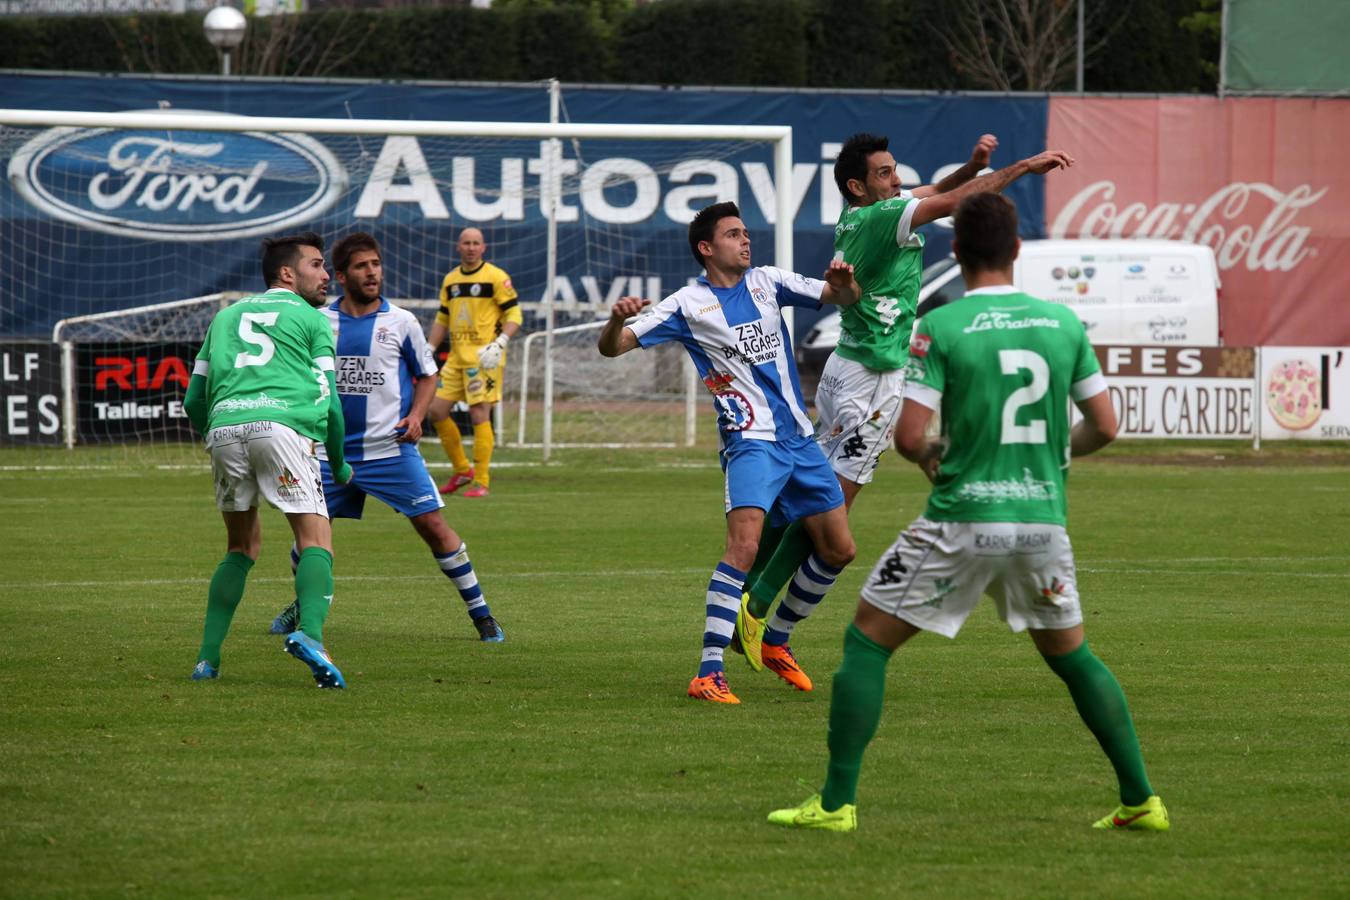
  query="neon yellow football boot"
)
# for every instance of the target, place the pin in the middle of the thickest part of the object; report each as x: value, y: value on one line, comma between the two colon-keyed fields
x: 1150, y: 815
x: 810, y: 814
x: 750, y: 634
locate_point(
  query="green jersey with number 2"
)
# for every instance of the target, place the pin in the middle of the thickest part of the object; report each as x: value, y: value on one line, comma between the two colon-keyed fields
x: 1005, y: 366
x: 267, y: 357
x: 887, y: 260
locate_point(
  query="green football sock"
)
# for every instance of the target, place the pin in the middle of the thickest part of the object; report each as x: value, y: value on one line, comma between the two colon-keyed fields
x: 855, y: 710
x: 793, y: 549
x: 1101, y: 704
x: 769, y: 536
x: 222, y: 599
x: 314, y: 589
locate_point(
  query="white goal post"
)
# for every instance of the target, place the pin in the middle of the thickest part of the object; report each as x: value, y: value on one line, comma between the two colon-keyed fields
x: 566, y: 169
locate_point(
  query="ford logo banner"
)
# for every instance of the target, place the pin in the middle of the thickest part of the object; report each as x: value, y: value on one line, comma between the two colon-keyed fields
x: 178, y: 185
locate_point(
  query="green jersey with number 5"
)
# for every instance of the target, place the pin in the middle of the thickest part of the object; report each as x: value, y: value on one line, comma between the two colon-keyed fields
x: 1001, y: 366
x: 268, y: 358
x: 887, y: 260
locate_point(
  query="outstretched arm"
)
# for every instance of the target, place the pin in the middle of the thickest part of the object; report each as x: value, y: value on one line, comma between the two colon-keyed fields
x: 942, y: 205
x: 615, y: 339
x: 979, y: 158
x: 841, y: 288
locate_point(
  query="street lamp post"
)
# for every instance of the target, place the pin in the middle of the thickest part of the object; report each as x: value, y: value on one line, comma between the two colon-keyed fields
x: 224, y: 27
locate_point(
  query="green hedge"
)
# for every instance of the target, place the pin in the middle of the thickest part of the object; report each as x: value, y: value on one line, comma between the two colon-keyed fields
x: 770, y: 43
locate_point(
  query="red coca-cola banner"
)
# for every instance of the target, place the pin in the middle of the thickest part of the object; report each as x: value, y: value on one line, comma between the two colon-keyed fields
x: 1263, y: 181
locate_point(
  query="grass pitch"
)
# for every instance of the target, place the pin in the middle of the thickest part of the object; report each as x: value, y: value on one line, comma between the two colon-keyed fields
x: 567, y: 760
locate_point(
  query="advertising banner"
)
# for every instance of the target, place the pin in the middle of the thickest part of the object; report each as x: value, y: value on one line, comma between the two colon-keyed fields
x: 166, y: 215
x: 1181, y: 392
x: 130, y: 391
x: 30, y: 393
x: 1305, y: 393
x: 1261, y: 181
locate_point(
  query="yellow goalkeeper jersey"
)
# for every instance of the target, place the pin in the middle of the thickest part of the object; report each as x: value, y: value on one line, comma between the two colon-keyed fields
x: 473, y: 307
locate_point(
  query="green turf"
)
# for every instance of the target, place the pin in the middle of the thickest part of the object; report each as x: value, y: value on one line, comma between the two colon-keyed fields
x: 567, y: 760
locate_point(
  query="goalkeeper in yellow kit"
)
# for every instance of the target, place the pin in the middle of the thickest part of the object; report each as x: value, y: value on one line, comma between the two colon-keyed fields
x: 480, y: 313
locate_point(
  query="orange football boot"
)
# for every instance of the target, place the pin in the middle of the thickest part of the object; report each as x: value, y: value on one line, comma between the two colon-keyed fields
x: 779, y: 658
x: 712, y: 687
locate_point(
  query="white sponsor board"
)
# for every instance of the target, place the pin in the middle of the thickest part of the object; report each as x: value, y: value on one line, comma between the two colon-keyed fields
x: 1305, y: 393
x: 1180, y: 392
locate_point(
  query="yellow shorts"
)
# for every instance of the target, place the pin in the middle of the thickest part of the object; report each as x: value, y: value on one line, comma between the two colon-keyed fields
x: 473, y: 386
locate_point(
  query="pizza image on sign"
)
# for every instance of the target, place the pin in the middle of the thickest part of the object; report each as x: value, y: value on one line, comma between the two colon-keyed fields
x: 1294, y: 394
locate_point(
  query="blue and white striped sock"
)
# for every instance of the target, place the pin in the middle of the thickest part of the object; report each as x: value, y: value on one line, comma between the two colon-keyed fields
x: 724, y: 601
x: 295, y: 558
x: 458, y: 569
x: 807, y: 589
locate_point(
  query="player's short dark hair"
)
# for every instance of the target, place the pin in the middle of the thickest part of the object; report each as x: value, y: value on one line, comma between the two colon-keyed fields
x: 852, y: 160
x: 346, y: 248
x: 285, y: 251
x: 704, y: 225
x: 985, y: 232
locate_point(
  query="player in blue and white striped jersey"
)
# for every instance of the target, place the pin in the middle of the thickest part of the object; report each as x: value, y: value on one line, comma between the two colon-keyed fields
x: 731, y: 324
x: 386, y: 377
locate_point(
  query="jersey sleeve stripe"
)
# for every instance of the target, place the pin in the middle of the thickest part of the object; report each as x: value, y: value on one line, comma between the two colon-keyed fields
x: 325, y: 363
x: 508, y: 304
x: 903, y: 228
x: 1090, y: 386
x: 923, y: 395
x: 201, y: 367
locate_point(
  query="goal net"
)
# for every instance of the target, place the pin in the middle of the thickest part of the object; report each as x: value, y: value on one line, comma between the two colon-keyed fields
x: 125, y: 232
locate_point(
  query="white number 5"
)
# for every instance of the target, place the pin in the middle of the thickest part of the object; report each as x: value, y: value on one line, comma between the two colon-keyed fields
x: 249, y: 333
x: 1012, y: 361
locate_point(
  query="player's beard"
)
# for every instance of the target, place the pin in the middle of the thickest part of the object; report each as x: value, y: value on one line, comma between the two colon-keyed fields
x: 358, y: 294
x: 317, y: 295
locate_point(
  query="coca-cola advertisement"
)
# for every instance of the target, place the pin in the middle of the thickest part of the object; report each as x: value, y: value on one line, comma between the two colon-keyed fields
x: 1260, y: 180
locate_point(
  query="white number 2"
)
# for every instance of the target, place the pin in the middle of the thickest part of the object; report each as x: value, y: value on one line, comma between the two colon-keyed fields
x: 249, y: 333
x: 1012, y: 361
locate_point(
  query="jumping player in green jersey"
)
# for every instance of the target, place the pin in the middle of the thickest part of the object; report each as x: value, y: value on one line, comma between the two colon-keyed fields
x: 858, y: 398
x: 263, y: 394
x: 1001, y: 367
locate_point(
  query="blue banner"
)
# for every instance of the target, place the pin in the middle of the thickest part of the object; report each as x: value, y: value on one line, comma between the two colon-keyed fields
x: 97, y: 220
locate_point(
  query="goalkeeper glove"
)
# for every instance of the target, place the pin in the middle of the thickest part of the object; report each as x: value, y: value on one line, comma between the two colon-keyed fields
x: 490, y: 355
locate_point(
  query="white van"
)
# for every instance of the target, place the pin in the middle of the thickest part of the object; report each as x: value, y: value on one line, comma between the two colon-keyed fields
x: 1125, y: 291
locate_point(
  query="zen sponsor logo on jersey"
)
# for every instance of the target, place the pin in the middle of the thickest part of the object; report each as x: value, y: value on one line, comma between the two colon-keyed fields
x: 754, y: 344
x: 999, y: 321
x: 354, y: 375
x: 177, y: 185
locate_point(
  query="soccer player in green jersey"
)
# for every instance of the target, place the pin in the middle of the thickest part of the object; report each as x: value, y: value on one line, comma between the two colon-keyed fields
x: 1001, y: 367
x: 263, y: 394
x: 858, y: 399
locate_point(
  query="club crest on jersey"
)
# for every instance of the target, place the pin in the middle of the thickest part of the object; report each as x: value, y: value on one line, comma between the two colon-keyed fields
x: 382, y: 334
x: 919, y: 345
x: 760, y: 296
x: 733, y: 409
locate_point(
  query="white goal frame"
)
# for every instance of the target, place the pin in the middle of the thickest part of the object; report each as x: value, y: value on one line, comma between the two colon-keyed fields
x: 551, y: 133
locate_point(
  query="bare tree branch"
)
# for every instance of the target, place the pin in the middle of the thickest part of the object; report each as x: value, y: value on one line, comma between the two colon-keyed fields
x: 1028, y: 45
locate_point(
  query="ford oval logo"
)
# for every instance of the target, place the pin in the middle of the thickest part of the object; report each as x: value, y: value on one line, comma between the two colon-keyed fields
x: 178, y: 185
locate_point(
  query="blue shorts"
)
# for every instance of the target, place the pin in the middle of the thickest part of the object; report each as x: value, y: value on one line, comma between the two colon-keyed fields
x: 789, y: 480
x: 402, y: 482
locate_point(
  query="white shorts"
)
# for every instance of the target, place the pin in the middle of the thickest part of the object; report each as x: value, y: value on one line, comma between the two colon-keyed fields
x: 857, y: 409
x: 934, y: 574
x: 265, y: 458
